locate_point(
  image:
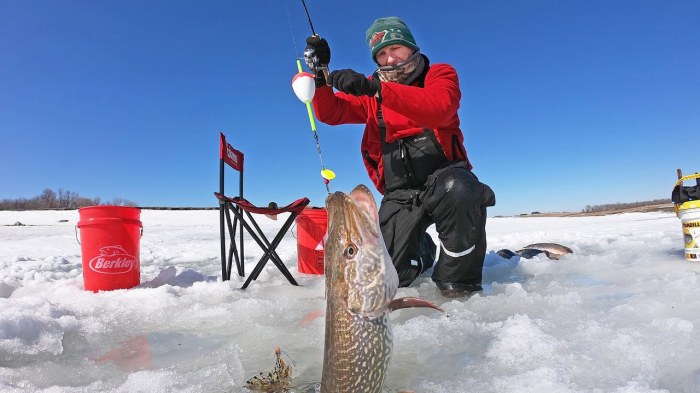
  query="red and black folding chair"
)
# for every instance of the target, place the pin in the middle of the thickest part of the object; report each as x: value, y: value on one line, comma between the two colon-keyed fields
x: 242, y: 211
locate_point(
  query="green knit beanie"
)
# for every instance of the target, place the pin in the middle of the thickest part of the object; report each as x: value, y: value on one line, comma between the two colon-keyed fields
x: 388, y: 31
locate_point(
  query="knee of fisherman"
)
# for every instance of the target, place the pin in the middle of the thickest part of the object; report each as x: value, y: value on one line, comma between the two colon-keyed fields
x: 413, y: 151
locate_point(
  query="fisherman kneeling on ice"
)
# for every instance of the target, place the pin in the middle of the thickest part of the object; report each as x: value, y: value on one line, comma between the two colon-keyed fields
x: 413, y: 151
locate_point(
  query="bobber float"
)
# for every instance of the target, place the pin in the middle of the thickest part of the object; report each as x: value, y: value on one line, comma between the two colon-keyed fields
x: 304, y: 87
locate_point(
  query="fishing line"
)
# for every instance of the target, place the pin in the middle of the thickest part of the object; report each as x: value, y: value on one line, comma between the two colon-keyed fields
x: 326, y: 174
x: 291, y: 29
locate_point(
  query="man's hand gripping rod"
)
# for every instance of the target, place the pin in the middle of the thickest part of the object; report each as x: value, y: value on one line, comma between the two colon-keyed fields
x: 312, y: 61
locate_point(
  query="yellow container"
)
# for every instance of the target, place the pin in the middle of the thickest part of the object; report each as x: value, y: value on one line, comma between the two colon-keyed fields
x: 689, y: 213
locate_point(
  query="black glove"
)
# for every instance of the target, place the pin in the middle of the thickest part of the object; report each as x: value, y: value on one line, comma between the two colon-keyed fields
x: 317, y: 46
x: 351, y: 82
x: 317, y: 56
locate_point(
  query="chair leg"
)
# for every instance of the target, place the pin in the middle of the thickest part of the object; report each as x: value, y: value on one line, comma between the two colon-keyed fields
x: 261, y: 265
x: 222, y: 214
x: 269, y: 250
x: 233, y: 250
x: 256, y: 271
x: 240, y: 264
x: 273, y: 253
x: 271, y: 247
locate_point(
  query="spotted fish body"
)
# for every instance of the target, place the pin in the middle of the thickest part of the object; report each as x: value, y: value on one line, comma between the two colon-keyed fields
x: 553, y: 250
x: 361, y: 282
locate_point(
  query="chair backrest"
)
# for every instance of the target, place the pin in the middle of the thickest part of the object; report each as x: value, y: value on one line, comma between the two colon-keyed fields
x: 233, y: 158
x: 241, y: 210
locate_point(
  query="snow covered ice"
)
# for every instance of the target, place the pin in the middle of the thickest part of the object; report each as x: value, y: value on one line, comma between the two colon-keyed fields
x: 621, y: 314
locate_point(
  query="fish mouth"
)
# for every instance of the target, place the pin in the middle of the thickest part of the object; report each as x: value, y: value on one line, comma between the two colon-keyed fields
x: 356, y: 211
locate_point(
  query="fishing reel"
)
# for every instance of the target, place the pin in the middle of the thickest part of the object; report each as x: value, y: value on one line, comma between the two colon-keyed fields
x: 313, y: 62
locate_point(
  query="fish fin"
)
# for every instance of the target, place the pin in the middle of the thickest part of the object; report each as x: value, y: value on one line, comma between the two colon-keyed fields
x: 411, y: 302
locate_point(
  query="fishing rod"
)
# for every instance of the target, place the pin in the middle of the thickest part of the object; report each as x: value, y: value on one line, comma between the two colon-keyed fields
x: 309, y: 18
x: 312, y: 61
x: 304, y: 87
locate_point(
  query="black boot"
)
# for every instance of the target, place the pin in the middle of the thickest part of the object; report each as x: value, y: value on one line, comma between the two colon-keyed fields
x: 427, y: 250
x: 455, y: 290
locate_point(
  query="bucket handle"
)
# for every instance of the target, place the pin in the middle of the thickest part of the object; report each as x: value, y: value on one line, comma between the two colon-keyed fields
x: 680, y: 183
x: 689, y: 177
x: 78, y: 239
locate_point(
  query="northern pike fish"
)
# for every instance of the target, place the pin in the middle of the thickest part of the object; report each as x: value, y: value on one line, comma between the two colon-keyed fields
x: 552, y: 250
x: 361, y: 282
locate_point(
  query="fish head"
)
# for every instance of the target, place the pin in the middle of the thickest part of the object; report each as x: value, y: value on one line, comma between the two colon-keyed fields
x: 359, y: 271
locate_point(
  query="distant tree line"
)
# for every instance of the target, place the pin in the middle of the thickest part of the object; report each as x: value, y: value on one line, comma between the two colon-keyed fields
x: 50, y: 199
x: 622, y: 206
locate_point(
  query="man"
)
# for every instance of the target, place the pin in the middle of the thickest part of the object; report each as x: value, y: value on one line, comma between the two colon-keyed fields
x: 413, y: 151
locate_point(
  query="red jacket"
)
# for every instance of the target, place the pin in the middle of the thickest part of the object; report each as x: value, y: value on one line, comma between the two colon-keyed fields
x: 407, y: 111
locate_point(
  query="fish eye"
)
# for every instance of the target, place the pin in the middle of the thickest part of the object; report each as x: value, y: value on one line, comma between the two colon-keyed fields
x: 350, y: 251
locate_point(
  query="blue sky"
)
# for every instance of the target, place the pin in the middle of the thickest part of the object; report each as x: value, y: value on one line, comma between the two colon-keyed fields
x: 564, y: 103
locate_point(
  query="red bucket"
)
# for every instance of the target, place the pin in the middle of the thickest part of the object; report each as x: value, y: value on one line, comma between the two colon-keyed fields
x: 311, y: 229
x: 109, y: 241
